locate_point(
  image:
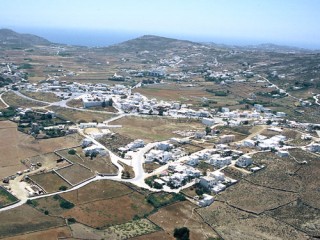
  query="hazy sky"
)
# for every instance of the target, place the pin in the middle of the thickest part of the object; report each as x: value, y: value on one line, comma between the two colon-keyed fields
x: 293, y: 22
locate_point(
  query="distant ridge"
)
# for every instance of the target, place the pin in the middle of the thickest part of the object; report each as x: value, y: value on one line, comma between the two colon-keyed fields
x: 151, y: 43
x: 12, y: 38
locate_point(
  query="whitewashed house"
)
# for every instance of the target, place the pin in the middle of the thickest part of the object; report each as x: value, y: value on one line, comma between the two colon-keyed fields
x: 207, y: 200
x: 244, y: 161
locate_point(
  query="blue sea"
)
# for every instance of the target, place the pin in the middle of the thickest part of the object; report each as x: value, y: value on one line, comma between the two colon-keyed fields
x: 103, y: 38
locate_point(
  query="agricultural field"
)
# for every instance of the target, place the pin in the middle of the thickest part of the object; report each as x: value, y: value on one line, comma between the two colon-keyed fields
x: 310, y: 177
x: 188, y: 95
x: 133, y: 228
x: 255, y: 199
x: 99, y: 164
x: 182, y: 214
x: 26, y: 219
x: 47, y: 160
x: 75, y: 174
x: 50, y: 181
x: 224, y: 219
x: 115, y: 141
x: 6, y: 198
x: 18, y: 146
x: 299, y: 215
x: 50, y: 234
x: 97, y: 190
x: 152, y: 129
x: 160, y: 235
x: 279, y: 173
x: 77, y: 116
x: 16, y: 101
x: 104, y: 213
x: 42, y: 96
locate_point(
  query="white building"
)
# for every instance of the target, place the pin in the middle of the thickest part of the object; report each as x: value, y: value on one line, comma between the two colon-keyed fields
x: 244, y: 161
x: 227, y: 138
x: 206, y: 201
x: 208, y: 121
x: 282, y: 153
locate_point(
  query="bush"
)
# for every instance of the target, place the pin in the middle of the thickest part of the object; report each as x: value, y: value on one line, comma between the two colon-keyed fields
x: 71, y: 220
x: 46, y: 212
x: 181, y: 233
x: 63, y: 188
x: 66, y: 204
x: 72, y: 152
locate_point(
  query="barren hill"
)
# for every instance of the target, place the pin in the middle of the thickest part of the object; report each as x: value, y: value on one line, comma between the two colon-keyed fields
x: 11, y: 38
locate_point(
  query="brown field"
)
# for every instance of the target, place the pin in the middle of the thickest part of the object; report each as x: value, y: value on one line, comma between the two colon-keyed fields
x: 279, y: 174
x: 51, y: 204
x: 231, y: 223
x: 99, y: 164
x: 254, y: 198
x: 50, y: 181
x: 234, y: 173
x: 48, y: 160
x: 77, y: 116
x: 108, y: 212
x: 17, y: 146
x: 300, y: 216
x: 153, y: 128
x: 42, y: 96
x: 161, y: 235
x: 75, y: 103
x: 50, y: 234
x: 75, y: 173
x: 26, y: 219
x: 174, y: 92
x: 150, y: 167
x: 182, y: 214
x: 115, y: 141
x: 310, y: 177
x: 14, y: 100
x: 97, y: 190
x: 191, y: 148
x: 6, y: 197
x: 260, y: 228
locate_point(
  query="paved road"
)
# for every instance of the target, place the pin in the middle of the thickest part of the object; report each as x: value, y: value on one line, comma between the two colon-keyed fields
x: 3, y: 101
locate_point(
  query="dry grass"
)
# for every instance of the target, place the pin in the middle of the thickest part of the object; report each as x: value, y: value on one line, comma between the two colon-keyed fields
x: 182, y: 214
x: 42, y: 96
x: 14, y: 100
x: 97, y: 190
x: 26, y: 219
x: 76, y: 173
x: 153, y: 128
x: 50, y: 234
x: 254, y: 198
x: 18, y: 146
x: 108, y: 212
x: 77, y: 116
x: 50, y: 181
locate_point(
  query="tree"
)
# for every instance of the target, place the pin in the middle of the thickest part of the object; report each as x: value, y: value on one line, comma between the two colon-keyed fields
x: 181, y: 233
x: 208, y: 130
x: 103, y: 104
x: 72, y: 152
x: 110, y: 102
x: 63, y: 188
x: 269, y: 122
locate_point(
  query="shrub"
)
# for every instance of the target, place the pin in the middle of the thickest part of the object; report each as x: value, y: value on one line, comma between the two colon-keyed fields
x: 63, y: 188
x: 181, y: 233
x: 66, y: 204
x: 72, y: 152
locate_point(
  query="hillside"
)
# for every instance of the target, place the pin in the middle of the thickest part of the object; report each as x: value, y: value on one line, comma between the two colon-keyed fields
x: 151, y: 43
x: 14, y: 39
